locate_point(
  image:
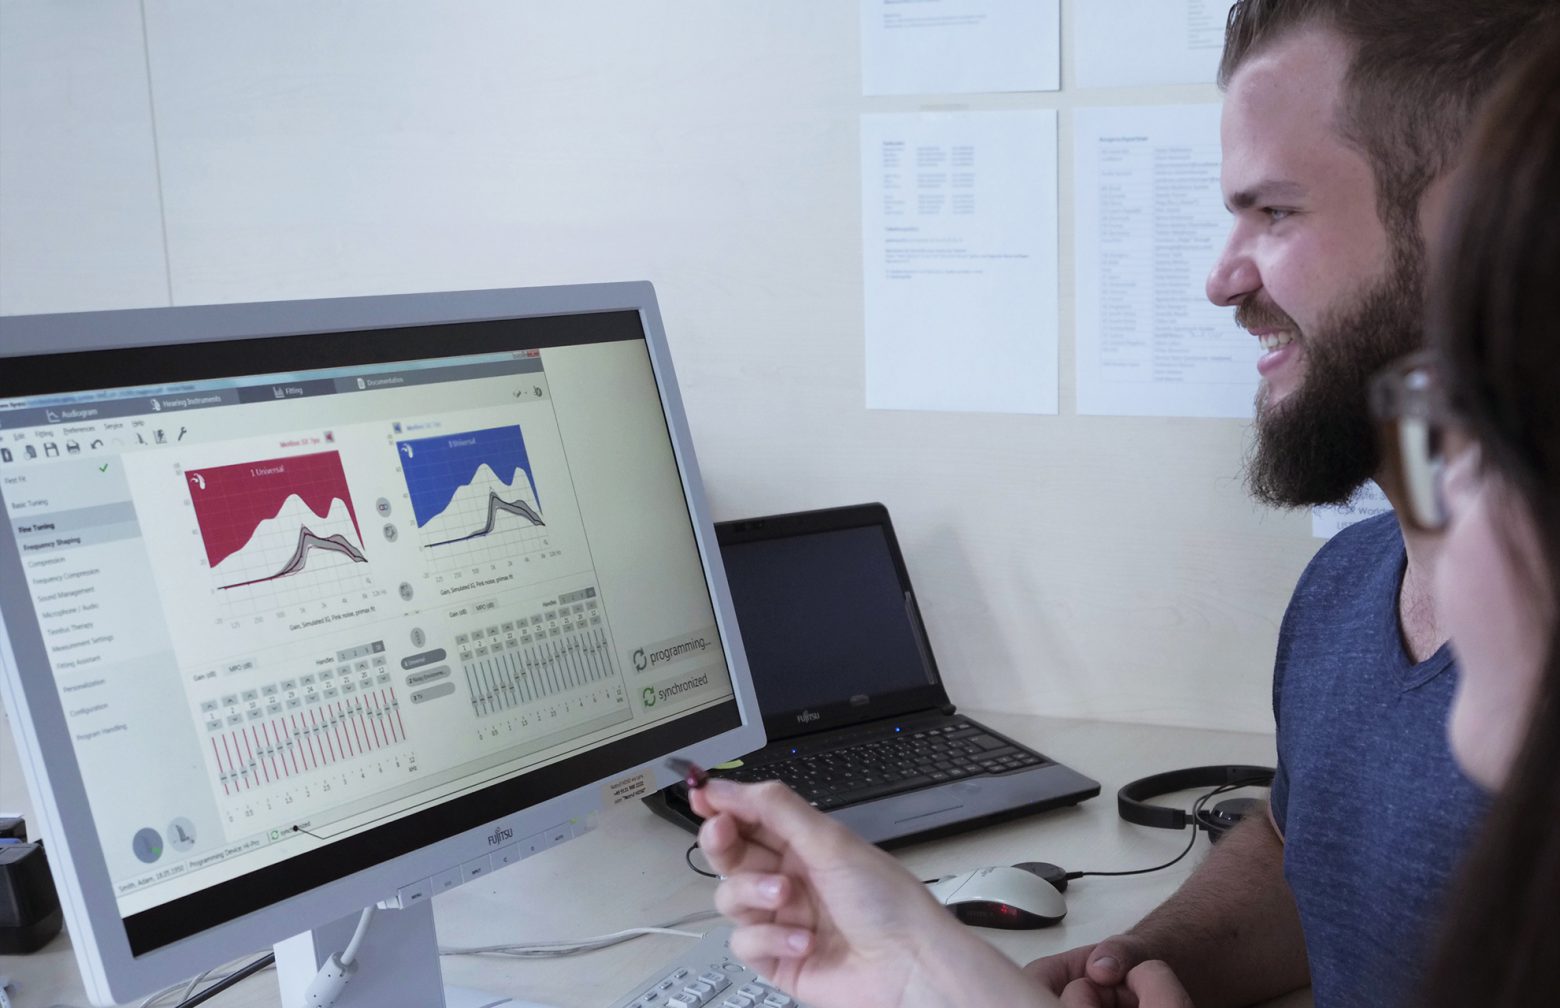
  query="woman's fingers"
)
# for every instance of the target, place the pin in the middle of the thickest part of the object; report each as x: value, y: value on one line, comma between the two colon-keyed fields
x: 752, y: 895
x: 767, y: 943
x: 748, y: 827
x: 729, y: 849
x: 771, y: 815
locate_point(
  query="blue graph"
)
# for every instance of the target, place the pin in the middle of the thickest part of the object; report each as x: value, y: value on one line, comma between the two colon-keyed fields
x: 438, y: 468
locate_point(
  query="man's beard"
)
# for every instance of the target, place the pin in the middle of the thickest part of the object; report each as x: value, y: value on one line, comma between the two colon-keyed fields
x: 1319, y: 444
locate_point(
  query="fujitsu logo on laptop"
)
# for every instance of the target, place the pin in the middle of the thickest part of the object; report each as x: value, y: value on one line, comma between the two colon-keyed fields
x: 808, y: 715
x: 499, y: 835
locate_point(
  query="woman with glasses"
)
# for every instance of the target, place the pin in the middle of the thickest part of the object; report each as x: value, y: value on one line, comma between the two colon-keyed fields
x: 1474, y: 428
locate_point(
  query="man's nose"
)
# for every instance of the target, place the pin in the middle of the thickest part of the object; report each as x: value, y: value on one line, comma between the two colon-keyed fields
x: 1234, y: 275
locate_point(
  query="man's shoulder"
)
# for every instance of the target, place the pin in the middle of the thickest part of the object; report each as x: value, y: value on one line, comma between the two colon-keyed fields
x: 1353, y: 578
x: 1365, y: 545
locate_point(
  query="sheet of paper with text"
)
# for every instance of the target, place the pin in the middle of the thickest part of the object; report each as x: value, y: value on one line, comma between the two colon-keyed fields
x: 1150, y: 224
x: 959, y: 246
x: 960, y: 46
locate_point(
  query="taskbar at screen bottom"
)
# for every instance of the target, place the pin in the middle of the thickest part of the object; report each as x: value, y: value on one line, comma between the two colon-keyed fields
x: 181, y: 918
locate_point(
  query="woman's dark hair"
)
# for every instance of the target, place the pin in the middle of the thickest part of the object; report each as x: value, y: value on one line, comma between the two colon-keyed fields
x: 1493, y: 296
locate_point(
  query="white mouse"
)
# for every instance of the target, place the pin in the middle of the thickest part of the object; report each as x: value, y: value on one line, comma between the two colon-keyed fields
x: 1000, y: 897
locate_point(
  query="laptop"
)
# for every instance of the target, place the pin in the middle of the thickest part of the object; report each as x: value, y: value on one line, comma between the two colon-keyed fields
x: 854, y: 708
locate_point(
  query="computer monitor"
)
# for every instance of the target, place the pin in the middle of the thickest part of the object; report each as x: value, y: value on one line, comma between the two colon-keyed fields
x: 315, y: 604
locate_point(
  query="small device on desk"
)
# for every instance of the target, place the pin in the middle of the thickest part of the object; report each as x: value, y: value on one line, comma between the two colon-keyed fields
x: 316, y: 605
x: 29, y: 907
x: 857, y: 715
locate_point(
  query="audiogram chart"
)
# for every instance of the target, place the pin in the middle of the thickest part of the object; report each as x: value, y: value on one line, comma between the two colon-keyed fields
x: 471, y: 487
x: 271, y: 521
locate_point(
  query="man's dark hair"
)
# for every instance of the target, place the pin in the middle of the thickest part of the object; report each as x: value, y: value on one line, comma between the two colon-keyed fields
x: 1417, y: 73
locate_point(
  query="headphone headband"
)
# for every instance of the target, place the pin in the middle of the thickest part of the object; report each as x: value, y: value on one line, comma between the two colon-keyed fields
x: 1132, y: 799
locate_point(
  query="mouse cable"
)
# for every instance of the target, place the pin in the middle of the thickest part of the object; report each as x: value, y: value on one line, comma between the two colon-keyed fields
x: 560, y: 949
x: 1197, y: 808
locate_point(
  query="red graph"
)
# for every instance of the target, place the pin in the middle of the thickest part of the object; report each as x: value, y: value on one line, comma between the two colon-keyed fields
x: 233, y: 501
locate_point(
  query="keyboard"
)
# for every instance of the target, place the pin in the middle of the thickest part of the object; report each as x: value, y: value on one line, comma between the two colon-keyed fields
x: 875, y: 763
x: 705, y: 975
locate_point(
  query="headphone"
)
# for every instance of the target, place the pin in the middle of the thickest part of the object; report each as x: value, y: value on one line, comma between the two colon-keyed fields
x: 1132, y: 799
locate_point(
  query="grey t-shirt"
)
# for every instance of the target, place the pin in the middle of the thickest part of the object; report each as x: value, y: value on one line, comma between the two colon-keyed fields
x: 1375, y: 814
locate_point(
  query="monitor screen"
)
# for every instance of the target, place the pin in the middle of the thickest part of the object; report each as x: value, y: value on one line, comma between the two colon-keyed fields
x: 307, y: 603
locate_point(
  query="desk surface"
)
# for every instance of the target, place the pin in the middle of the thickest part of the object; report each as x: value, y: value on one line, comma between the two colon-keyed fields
x: 630, y: 872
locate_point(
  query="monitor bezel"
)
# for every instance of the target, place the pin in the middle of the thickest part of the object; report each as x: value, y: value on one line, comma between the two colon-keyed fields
x: 111, y: 968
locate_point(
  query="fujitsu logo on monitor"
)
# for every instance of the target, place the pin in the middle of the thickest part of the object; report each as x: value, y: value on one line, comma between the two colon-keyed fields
x: 808, y: 715
x: 499, y: 835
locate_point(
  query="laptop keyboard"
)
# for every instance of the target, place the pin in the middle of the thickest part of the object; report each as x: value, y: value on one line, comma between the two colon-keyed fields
x: 885, y: 761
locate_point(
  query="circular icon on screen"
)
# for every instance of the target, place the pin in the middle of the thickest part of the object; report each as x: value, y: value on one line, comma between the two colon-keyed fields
x: 148, y: 845
x: 639, y: 660
x: 181, y: 834
x: 649, y: 697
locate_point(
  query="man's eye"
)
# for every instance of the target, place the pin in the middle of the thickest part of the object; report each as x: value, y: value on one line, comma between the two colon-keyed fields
x: 1276, y: 214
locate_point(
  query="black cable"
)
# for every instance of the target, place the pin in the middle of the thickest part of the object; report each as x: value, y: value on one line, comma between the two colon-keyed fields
x: 242, y: 973
x: 1197, y: 808
x: 688, y: 857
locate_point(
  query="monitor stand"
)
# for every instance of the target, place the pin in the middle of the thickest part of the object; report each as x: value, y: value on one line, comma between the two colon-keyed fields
x: 398, y: 964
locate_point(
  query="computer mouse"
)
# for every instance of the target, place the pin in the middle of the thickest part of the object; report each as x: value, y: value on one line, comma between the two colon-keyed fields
x: 1000, y: 897
x: 1054, y: 874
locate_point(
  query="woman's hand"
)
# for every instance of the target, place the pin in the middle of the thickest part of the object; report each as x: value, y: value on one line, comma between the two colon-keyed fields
x: 835, y: 921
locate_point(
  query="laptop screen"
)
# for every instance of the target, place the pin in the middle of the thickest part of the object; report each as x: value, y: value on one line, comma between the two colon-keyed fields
x: 829, y: 623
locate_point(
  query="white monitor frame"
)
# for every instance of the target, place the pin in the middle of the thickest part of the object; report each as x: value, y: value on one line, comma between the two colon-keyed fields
x: 111, y: 972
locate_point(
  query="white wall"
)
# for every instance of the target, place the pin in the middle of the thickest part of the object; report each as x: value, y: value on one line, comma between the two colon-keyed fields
x: 235, y: 151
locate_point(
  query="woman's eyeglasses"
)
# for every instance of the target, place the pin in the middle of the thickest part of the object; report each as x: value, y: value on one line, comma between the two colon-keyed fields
x: 1419, y: 433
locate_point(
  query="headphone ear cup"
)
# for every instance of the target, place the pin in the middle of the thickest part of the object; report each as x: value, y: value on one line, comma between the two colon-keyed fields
x: 1220, y: 819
